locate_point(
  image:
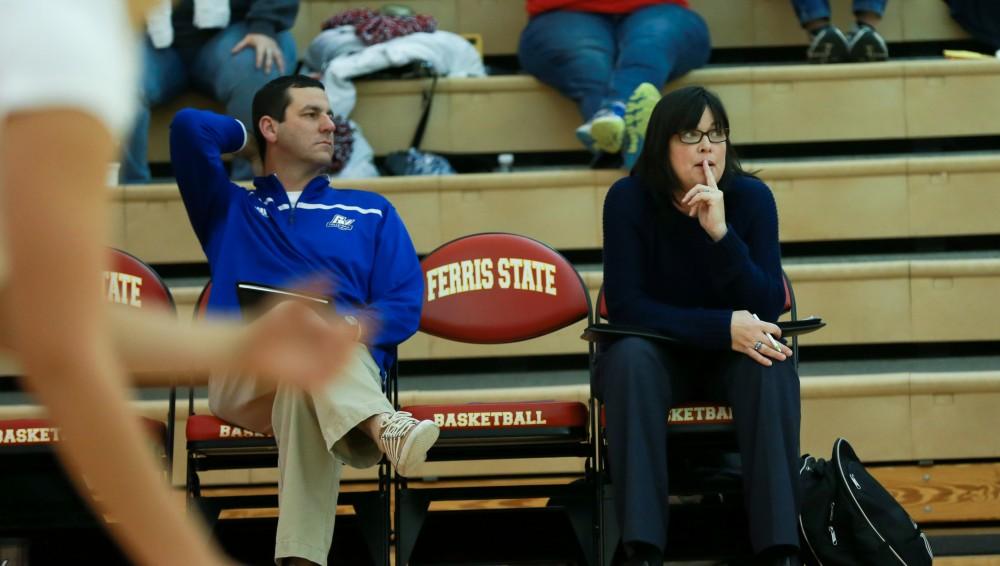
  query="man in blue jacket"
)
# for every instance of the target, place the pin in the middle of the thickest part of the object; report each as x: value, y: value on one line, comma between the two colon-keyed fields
x: 295, y: 227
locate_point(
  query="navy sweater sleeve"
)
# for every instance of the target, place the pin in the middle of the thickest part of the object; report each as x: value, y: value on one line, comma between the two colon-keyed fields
x: 396, y: 285
x: 198, y: 139
x: 749, y: 270
x: 271, y: 16
x: 626, y: 284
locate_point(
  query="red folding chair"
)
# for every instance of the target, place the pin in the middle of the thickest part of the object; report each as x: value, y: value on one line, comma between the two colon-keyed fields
x: 36, y: 494
x: 499, y: 288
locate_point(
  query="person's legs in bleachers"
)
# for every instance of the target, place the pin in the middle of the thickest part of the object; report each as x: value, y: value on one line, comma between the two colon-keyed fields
x: 574, y: 52
x: 656, y: 44
x: 164, y: 76
x: 233, y: 78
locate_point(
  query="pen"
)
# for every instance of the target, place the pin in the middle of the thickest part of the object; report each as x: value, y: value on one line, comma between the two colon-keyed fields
x: 774, y: 343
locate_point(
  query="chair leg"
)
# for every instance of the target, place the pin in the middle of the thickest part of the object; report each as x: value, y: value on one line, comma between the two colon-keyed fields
x: 411, y: 511
x: 580, y: 510
x: 609, y: 523
x: 209, y: 510
x: 374, y: 525
x: 193, y: 484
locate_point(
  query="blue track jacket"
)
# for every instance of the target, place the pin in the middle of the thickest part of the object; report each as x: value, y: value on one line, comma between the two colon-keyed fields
x: 353, y: 241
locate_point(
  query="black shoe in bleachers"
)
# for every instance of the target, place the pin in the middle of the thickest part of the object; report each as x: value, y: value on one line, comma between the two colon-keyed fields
x: 829, y: 45
x: 866, y: 45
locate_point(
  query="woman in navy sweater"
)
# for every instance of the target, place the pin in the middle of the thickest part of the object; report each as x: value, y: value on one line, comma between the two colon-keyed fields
x: 691, y: 251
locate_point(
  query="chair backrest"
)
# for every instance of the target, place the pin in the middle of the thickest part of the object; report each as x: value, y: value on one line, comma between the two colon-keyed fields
x: 496, y: 288
x: 129, y: 281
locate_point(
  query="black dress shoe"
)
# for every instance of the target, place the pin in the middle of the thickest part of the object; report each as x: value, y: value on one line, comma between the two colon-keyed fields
x: 778, y: 556
x: 787, y: 560
x: 641, y: 554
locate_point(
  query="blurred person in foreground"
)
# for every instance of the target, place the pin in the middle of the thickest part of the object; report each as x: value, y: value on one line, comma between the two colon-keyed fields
x: 64, y: 101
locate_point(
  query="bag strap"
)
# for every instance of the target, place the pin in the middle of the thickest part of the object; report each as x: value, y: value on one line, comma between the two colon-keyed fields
x: 428, y: 98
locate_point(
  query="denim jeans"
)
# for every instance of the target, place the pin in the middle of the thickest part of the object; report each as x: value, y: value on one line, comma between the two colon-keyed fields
x: 809, y: 10
x: 596, y: 59
x: 212, y: 69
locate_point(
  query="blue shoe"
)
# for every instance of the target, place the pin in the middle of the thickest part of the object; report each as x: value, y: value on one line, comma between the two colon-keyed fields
x: 637, y: 112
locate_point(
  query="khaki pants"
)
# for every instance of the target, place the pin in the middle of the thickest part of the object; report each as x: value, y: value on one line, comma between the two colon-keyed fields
x: 316, y: 435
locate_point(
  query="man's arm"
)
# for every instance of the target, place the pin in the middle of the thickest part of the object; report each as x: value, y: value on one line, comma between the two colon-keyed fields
x: 396, y: 287
x: 198, y: 140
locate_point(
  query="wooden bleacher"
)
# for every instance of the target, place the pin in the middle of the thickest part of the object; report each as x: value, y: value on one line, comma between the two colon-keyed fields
x: 861, y: 199
x: 767, y: 104
x: 741, y: 24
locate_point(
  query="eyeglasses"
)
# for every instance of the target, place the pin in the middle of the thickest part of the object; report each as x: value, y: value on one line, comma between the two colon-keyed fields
x: 692, y: 137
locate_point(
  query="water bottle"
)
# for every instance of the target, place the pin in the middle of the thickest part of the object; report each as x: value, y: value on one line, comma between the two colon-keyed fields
x: 505, y: 163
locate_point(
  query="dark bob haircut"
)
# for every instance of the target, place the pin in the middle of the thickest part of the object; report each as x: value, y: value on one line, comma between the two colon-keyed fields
x: 677, y: 111
x: 273, y: 99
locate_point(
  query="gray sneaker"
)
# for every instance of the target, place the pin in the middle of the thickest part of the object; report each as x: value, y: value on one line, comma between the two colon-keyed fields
x: 829, y: 45
x: 405, y: 440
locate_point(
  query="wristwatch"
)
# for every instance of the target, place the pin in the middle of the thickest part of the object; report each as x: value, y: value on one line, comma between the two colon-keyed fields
x: 352, y: 320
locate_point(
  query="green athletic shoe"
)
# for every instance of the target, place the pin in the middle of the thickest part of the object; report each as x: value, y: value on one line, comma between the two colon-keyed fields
x: 637, y: 111
x: 607, y: 128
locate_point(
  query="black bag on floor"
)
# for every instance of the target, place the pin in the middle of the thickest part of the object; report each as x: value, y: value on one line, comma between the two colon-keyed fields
x: 849, y: 519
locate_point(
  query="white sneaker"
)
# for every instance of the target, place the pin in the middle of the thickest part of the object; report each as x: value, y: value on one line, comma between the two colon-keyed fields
x: 405, y: 440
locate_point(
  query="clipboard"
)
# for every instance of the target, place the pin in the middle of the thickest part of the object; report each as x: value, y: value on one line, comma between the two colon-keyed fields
x: 799, y: 327
x: 606, y: 331
x: 252, y: 295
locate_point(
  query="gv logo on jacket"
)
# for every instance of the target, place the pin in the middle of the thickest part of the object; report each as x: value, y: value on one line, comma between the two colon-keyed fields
x: 341, y: 222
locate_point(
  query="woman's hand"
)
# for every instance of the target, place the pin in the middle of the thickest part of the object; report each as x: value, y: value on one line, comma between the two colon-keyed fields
x: 706, y: 202
x: 750, y: 338
x: 267, y: 51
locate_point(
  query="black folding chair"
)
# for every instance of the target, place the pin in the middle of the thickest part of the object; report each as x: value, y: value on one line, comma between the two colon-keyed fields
x: 704, y: 457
